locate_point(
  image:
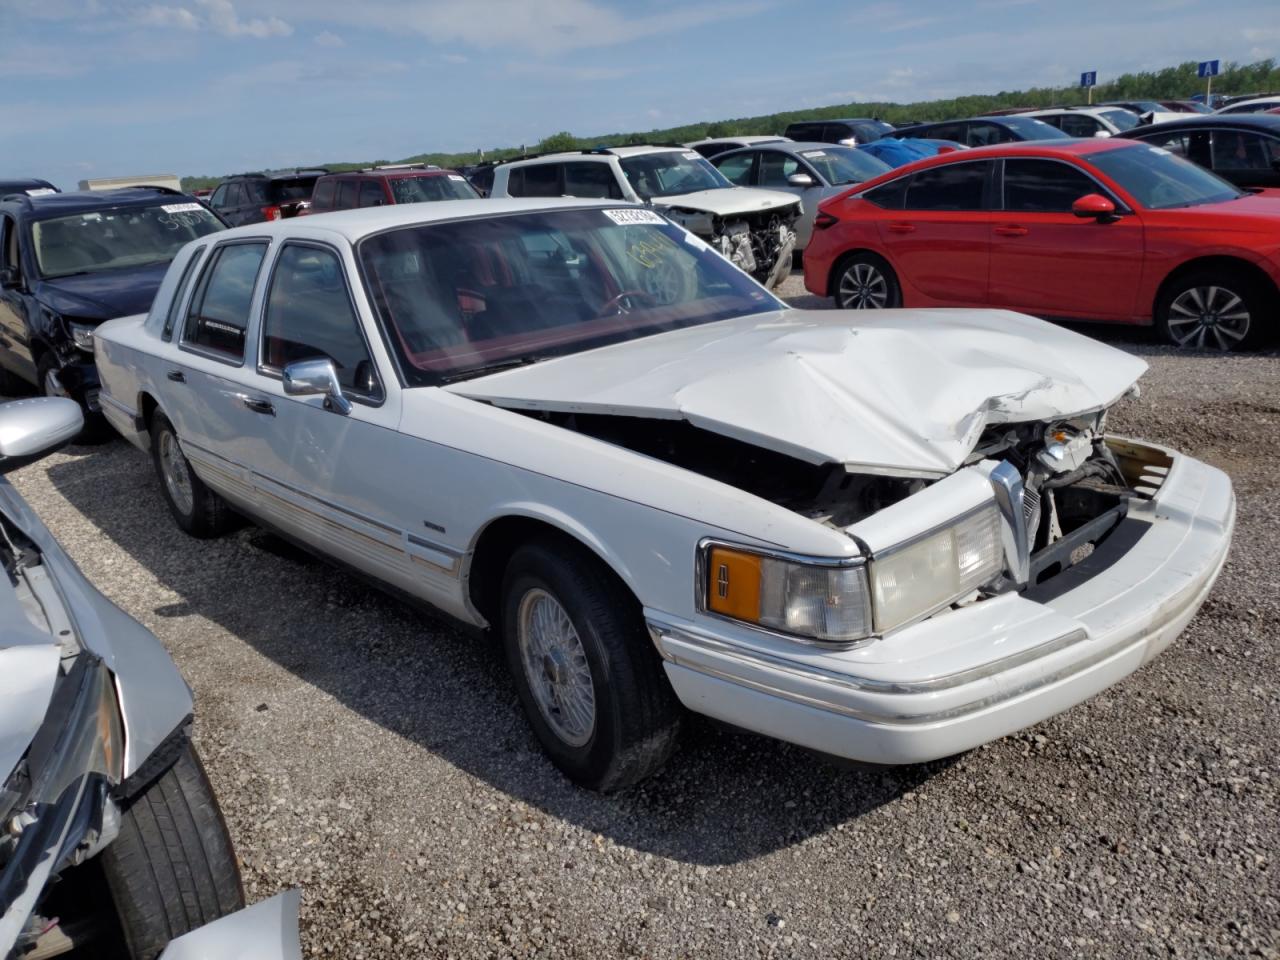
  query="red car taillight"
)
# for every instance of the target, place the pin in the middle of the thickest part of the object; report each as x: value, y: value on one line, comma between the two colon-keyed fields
x: 824, y: 220
x: 272, y: 213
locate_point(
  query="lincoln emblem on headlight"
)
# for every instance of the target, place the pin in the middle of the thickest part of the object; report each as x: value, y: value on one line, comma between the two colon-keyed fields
x: 722, y: 581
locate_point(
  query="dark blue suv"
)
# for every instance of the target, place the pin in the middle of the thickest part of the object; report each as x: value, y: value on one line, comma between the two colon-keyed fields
x: 69, y: 261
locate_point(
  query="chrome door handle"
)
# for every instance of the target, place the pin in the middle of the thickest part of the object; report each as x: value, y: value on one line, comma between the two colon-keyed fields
x: 258, y: 405
x: 177, y: 376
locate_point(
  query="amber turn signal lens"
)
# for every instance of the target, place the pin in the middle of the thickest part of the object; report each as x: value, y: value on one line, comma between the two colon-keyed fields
x: 733, y: 587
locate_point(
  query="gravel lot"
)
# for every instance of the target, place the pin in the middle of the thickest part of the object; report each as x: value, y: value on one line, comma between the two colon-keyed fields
x: 377, y: 758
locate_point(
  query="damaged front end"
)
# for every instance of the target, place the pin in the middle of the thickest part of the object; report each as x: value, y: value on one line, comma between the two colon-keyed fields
x: 759, y: 243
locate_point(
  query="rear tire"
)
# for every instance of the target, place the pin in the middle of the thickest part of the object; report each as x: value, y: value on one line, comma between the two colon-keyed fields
x: 195, y: 508
x: 1215, y: 310
x: 591, y: 684
x: 172, y: 868
x: 865, y: 281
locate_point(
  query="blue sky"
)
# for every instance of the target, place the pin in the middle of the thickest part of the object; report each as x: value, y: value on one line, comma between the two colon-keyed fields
x: 108, y: 88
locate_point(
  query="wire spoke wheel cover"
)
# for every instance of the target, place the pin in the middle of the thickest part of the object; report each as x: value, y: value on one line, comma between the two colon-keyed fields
x: 555, y: 665
x: 863, y: 287
x: 1208, y: 317
x: 177, y: 475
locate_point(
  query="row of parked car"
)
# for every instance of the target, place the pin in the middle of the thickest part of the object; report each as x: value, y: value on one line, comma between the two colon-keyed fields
x: 889, y: 539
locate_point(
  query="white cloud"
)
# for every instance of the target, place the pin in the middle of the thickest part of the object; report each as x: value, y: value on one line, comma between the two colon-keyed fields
x: 328, y: 39
x: 221, y: 16
x: 160, y: 16
x: 455, y: 58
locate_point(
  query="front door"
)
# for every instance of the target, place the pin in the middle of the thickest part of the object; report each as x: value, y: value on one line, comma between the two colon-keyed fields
x: 1049, y: 262
x: 939, y: 243
x: 15, y: 345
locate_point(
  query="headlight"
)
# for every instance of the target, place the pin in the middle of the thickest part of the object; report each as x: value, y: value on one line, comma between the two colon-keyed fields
x: 82, y: 335
x: 917, y: 578
x: 818, y: 600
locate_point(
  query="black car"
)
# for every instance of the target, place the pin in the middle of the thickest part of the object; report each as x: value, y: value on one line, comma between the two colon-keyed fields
x: 1241, y: 147
x: 69, y: 261
x: 848, y: 132
x: 984, y: 131
x: 32, y: 187
x: 259, y: 197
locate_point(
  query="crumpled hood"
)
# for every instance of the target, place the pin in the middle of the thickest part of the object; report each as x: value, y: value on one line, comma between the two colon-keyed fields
x: 728, y: 200
x: 894, y: 391
x: 106, y: 295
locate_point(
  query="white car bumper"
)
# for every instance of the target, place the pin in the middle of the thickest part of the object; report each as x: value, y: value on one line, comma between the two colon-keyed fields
x: 974, y: 674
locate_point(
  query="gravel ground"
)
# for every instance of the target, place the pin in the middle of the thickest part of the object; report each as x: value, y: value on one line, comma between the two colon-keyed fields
x: 377, y: 758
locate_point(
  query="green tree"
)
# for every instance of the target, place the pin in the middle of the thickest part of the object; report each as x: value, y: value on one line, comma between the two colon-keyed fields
x: 558, y: 142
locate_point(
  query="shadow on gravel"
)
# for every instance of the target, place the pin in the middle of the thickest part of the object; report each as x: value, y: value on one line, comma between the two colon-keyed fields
x: 725, y: 797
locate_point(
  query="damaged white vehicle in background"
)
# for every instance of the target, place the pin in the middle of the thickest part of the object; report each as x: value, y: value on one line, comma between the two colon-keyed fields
x: 887, y: 537
x: 753, y: 228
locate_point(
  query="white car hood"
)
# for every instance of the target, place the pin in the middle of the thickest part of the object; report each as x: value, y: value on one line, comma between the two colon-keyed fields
x: 728, y: 200
x: 904, y: 392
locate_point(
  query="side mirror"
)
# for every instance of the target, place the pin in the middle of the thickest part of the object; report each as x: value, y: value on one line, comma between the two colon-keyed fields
x: 10, y: 278
x: 800, y: 180
x: 29, y: 429
x: 1101, y: 133
x: 308, y: 378
x: 1094, y: 205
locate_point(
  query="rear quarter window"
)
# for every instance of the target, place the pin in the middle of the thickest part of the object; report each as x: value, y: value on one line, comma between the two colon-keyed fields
x: 322, y: 199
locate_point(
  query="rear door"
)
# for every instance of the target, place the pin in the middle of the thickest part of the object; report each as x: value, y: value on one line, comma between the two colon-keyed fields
x: 939, y: 242
x: 1049, y: 262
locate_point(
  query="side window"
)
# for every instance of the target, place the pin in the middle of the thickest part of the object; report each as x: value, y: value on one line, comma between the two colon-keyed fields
x: 180, y: 293
x: 540, y: 180
x: 836, y: 132
x: 955, y: 186
x: 1237, y: 150
x: 9, y: 227
x: 775, y: 167
x: 371, y: 194
x: 219, y: 198
x: 947, y: 131
x: 323, y: 198
x: 594, y: 180
x: 346, y: 195
x: 737, y: 168
x: 219, y: 312
x: 1078, y: 125
x: 982, y: 134
x: 255, y: 191
x: 889, y: 196
x: 309, y: 316
x: 1044, y: 186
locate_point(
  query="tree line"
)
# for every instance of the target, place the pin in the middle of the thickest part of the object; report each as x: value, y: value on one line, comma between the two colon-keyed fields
x: 1171, y: 83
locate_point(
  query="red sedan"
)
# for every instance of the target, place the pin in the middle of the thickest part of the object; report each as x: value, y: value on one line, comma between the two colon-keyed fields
x: 1080, y: 229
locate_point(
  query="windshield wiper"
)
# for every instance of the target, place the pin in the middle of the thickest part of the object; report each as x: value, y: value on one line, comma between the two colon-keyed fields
x: 488, y: 368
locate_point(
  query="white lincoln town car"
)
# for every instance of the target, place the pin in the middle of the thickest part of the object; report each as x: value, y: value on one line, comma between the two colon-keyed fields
x: 888, y: 537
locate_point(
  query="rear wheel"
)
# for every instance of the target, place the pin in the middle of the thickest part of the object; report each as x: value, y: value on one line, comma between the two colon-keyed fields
x: 1213, y: 310
x: 591, y: 684
x: 196, y: 509
x: 865, y: 282
x: 172, y: 868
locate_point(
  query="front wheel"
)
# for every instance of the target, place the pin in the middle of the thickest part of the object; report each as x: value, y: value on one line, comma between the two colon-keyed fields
x: 171, y: 868
x: 591, y: 684
x: 1213, y: 310
x: 196, y: 509
x: 865, y: 282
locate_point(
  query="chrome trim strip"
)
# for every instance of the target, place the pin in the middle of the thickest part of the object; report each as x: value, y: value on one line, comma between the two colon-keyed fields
x: 444, y: 548
x: 847, y: 681
x: 108, y: 399
x: 1007, y: 484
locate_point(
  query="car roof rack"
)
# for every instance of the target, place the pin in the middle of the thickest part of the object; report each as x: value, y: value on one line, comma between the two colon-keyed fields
x: 396, y: 167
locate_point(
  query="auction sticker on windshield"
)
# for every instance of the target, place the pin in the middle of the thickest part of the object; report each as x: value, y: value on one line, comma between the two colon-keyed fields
x: 181, y: 207
x: 813, y: 153
x: 627, y: 217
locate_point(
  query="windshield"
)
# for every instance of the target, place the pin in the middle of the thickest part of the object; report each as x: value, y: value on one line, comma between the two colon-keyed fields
x: 294, y: 188
x: 1123, y: 119
x: 108, y: 239
x: 440, y: 186
x: 1160, y: 181
x: 869, y: 130
x: 460, y: 299
x: 1029, y: 128
x: 671, y: 172
x: 838, y: 165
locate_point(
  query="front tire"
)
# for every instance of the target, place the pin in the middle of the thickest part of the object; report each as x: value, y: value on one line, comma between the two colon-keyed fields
x: 865, y: 281
x: 195, y: 508
x: 591, y: 684
x: 1213, y: 310
x: 172, y: 868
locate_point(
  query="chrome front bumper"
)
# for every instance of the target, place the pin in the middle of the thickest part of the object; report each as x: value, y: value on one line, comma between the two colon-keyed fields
x: 974, y: 674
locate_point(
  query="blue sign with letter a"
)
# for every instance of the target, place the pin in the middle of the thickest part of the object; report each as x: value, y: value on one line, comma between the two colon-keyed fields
x: 1089, y: 79
x: 1207, y: 68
